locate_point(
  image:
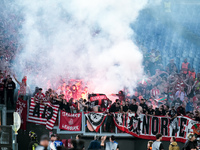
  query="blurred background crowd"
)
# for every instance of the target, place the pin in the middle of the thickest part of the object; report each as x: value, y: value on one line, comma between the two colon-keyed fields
x: 171, y: 66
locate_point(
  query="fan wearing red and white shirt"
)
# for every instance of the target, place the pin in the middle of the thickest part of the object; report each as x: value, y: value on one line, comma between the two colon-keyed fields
x: 39, y: 97
x: 155, y: 92
x: 179, y: 85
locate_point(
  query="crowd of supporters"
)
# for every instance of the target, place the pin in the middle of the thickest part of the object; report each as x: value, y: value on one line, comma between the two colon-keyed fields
x: 161, y: 92
x: 163, y: 87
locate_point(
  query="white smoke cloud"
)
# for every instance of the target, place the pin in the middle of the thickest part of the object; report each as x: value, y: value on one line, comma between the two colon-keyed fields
x: 90, y: 40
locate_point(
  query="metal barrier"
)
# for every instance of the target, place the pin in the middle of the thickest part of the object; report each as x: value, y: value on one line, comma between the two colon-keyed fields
x: 86, y: 132
x: 5, y: 137
x: 3, y: 114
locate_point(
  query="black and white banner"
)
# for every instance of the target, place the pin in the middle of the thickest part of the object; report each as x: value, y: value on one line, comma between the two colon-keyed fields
x: 146, y: 127
x: 95, y: 120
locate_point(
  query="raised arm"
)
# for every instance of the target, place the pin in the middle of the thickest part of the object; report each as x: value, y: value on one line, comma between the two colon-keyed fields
x: 16, y: 79
x: 194, y: 84
x: 184, y: 81
x: 103, y: 138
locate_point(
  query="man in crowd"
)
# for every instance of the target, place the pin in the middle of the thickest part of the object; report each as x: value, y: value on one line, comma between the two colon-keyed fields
x: 190, y: 144
x: 185, y: 67
x: 151, y: 111
x: 115, y: 107
x: 44, y: 143
x: 39, y: 97
x: 34, y: 143
x: 10, y: 87
x: 133, y: 107
x: 181, y: 94
x: 112, y: 145
x: 155, y: 92
x: 189, y: 105
x: 143, y: 105
x: 173, y: 119
x: 121, y: 95
x: 51, y: 142
x: 176, y: 103
x: 95, y: 144
x: 64, y: 105
x: 181, y: 110
x: 157, y: 145
x: 160, y: 111
x: 80, y: 141
x: 77, y: 145
x: 57, y: 143
x: 171, y: 66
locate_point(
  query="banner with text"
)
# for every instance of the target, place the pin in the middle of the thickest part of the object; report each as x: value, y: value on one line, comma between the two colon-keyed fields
x: 146, y: 127
x: 21, y: 108
x: 45, y: 114
x: 70, y: 122
x: 98, y: 99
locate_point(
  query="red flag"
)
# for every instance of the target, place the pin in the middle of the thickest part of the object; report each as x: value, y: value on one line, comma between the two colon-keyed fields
x: 70, y: 122
x: 21, y: 108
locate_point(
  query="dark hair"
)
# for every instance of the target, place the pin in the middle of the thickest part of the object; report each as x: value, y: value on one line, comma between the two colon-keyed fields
x: 78, y: 144
x: 121, y: 92
x: 174, y: 139
x: 150, y: 143
x: 134, y: 99
x: 112, y: 137
x: 158, y: 135
x: 96, y: 137
x: 53, y: 135
x: 79, y: 136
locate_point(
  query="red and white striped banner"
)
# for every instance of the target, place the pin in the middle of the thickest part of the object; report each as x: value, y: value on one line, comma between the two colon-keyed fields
x: 45, y: 114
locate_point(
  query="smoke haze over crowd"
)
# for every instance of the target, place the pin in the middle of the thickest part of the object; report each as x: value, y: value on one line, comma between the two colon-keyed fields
x: 90, y: 40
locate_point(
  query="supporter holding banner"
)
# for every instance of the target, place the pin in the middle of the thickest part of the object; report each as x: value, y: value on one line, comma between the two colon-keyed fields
x: 43, y: 113
x: 98, y: 100
x: 21, y: 108
x: 70, y: 122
